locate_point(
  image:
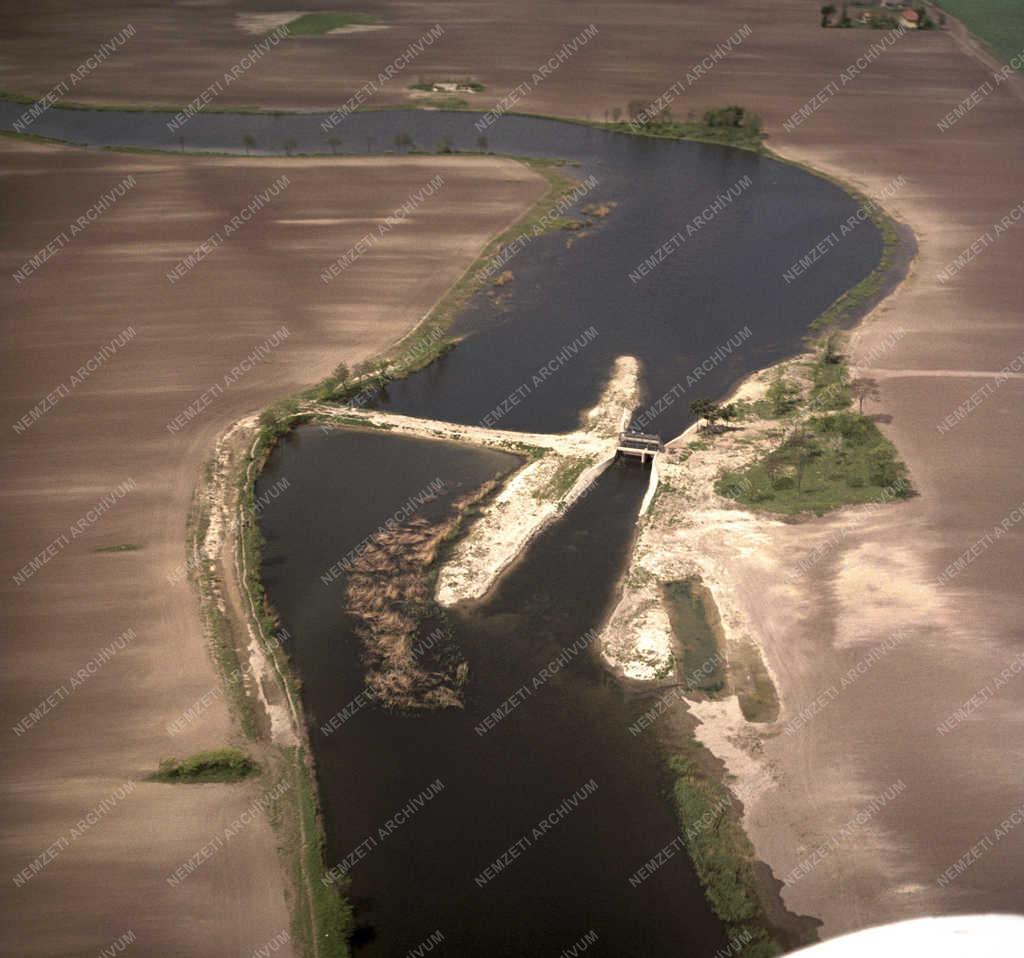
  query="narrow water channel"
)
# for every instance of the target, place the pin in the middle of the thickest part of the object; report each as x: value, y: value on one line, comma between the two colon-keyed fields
x: 529, y: 738
x: 470, y: 856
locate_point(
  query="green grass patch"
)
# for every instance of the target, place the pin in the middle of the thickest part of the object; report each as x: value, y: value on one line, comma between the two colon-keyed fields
x: 121, y: 547
x: 1000, y: 23
x: 831, y: 386
x: 832, y: 460
x: 742, y: 138
x: 696, y: 626
x: 317, y: 24
x: 217, y: 765
x: 722, y: 856
x: 566, y: 474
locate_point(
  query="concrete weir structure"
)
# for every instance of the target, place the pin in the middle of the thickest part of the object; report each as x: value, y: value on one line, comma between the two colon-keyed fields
x: 643, y: 445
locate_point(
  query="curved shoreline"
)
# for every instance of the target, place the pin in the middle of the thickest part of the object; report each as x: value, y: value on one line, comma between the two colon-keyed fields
x: 241, y: 571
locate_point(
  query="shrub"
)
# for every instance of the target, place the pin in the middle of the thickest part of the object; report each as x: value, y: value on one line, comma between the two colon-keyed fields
x: 783, y: 396
x: 217, y: 765
x: 725, y: 116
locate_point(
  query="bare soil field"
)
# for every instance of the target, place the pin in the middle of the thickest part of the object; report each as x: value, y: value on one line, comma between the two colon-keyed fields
x: 931, y: 345
x: 117, y: 707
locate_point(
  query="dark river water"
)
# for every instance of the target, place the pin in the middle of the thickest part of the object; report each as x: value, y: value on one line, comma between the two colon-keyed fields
x: 482, y: 790
x: 718, y: 277
x: 520, y: 840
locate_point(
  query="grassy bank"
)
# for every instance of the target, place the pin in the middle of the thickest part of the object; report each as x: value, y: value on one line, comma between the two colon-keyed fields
x: 428, y: 340
x: 741, y: 135
x: 722, y: 855
x: 859, y: 298
x: 321, y: 916
x: 321, y: 912
x: 322, y: 922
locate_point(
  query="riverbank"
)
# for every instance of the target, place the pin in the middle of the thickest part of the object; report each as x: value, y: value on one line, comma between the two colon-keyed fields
x: 961, y: 182
x: 561, y: 469
x: 161, y: 693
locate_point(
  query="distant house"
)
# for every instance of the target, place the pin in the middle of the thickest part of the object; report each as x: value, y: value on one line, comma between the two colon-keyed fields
x: 909, y: 19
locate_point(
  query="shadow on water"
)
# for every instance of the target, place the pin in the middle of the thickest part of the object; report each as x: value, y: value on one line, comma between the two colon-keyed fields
x: 533, y: 734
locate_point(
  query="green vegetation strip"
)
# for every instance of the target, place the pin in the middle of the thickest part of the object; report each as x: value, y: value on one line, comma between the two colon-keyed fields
x: 121, y: 547
x: 855, y: 300
x: 725, y: 126
x: 317, y: 24
x: 218, y: 765
x: 321, y: 915
x: 428, y: 341
x: 722, y: 856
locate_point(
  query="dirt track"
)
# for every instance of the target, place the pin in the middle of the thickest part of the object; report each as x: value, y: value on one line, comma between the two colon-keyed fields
x: 882, y: 575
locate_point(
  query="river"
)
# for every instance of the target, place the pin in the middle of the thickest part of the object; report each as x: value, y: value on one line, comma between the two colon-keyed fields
x: 511, y: 826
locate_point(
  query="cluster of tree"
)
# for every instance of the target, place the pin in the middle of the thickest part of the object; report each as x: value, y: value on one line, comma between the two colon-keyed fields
x: 732, y: 116
x: 879, y: 20
x: 644, y: 114
x: 711, y: 412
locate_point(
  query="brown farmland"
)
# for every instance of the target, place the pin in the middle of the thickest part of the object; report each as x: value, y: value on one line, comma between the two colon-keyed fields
x: 114, y: 726
x: 880, y: 575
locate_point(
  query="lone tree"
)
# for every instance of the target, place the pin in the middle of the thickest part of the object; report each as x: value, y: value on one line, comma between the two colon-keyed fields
x: 335, y: 142
x: 826, y: 12
x: 481, y: 142
x: 402, y: 139
x: 802, y: 446
x: 830, y: 348
x: 290, y: 144
x: 706, y: 409
x: 865, y: 388
x: 637, y: 110
x: 248, y: 141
